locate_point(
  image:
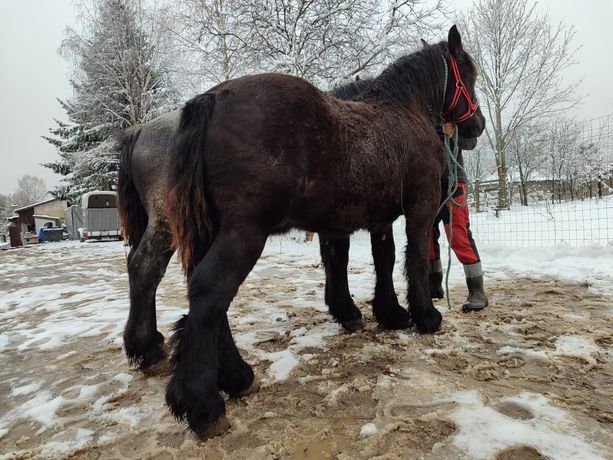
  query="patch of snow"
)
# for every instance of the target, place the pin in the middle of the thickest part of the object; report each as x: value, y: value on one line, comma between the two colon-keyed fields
x: 481, y: 431
x: 123, y: 378
x: 540, y: 354
x: 53, y: 448
x: 41, y: 408
x: 576, y: 346
x: 87, y: 390
x: 25, y: 390
x: 367, y: 430
x: 283, y: 362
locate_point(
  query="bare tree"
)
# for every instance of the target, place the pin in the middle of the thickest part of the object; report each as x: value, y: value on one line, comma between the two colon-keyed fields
x: 30, y: 189
x: 560, y: 150
x: 527, y: 149
x: 478, y: 164
x: 521, y: 56
x: 326, y: 41
x: 207, y: 41
x: 323, y: 41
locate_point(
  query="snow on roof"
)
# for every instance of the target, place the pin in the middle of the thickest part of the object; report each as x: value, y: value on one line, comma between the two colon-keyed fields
x: 36, y: 204
x: 43, y: 216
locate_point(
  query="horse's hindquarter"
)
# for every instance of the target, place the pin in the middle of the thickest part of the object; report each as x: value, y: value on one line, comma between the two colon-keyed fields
x: 266, y: 136
x: 150, y: 161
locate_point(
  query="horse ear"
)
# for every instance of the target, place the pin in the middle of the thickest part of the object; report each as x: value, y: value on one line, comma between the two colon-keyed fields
x: 455, y: 41
x: 357, y: 78
x: 424, y: 42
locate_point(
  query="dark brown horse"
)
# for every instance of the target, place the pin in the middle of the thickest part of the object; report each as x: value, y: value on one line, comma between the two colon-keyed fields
x: 143, y: 170
x: 262, y: 154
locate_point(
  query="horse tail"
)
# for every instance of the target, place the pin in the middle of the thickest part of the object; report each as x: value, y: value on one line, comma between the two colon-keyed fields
x: 186, y: 206
x: 131, y: 210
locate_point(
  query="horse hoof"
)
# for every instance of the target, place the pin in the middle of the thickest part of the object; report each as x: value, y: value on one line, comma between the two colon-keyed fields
x: 254, y: 388
x: 395, y: 319
x: 147, y: 352
x: 210, y: 430
x: 353, y: 325
x: 429, y: 321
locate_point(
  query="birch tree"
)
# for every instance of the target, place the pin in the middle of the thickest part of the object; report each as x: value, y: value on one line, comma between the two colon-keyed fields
x: 521, y: 57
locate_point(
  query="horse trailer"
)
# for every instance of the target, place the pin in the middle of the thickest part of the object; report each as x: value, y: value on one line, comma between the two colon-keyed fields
x: 100, y: 216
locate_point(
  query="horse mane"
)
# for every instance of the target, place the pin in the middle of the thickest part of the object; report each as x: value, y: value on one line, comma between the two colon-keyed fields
x: 409, y: 79
x: 352, y: 89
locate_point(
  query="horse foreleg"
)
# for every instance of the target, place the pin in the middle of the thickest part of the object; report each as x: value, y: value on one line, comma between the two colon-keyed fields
x: 192, y: 392
x: 335, y: 258
x: 147, y: 263
x: 419, y: 220
x: 386, y: 308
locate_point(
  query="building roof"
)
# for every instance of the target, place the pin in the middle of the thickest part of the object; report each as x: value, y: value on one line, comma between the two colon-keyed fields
x: 23, y: 208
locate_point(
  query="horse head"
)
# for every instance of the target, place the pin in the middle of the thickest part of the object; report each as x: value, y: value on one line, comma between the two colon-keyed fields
x: 461, y: 105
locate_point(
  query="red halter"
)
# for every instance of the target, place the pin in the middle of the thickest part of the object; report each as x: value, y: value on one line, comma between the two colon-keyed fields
x: 460, y: 90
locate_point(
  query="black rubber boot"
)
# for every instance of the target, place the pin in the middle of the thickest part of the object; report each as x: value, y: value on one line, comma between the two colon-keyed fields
x: 477, y: 300
x: 436, y: 280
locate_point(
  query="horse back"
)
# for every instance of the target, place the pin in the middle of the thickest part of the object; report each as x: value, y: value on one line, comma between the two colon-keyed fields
x: 278, y: 140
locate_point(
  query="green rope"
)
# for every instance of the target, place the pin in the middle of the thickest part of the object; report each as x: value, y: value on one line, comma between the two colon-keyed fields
x: 452, y: 186
x: 452, y: 182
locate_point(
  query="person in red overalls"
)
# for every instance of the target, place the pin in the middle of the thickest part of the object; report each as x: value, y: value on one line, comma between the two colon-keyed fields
x: 462, y: 242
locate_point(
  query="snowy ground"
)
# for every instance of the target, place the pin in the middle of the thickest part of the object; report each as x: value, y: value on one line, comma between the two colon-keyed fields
x: 530, y: 377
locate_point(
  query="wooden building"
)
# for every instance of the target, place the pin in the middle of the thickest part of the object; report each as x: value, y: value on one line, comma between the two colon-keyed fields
x: 27, y: 220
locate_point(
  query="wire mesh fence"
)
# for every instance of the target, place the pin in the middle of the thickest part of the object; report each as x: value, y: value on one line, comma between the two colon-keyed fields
x: 577, y: 223
x: 573, y: 209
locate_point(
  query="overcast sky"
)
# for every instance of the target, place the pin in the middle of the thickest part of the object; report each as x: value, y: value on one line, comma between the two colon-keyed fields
x: 33, y: 75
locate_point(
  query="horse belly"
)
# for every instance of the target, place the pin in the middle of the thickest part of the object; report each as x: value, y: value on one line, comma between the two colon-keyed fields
x: 331, y: 211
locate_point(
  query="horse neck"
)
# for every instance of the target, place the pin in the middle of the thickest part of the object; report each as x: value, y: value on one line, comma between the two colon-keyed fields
x: 416, y: 81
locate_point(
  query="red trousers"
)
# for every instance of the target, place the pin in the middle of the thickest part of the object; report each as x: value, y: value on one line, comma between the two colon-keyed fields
x: 462, y: 242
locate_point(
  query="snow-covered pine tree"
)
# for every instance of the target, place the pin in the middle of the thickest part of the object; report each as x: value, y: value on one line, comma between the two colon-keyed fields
x: 118, y: 81
x: 5, y: 212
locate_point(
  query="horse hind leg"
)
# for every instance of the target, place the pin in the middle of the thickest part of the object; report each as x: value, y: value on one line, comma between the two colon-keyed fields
x: 192, y: 393
x: 386, y: 309
x: 146, y: 267
x: 335, y: 258
x: 234, y: 375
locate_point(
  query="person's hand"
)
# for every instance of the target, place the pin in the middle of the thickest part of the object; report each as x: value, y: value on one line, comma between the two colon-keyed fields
x: 449, y: 128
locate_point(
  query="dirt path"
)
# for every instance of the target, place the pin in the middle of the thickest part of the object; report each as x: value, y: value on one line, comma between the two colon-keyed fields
x: 529, y: 377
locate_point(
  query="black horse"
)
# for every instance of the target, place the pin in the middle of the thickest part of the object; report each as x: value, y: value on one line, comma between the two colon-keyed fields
x: 335, y: 258
x: 143, y: 170
x: 262, y: 154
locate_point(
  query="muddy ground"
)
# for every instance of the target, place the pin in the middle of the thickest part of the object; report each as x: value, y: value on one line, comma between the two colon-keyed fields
x: 372, y: 394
